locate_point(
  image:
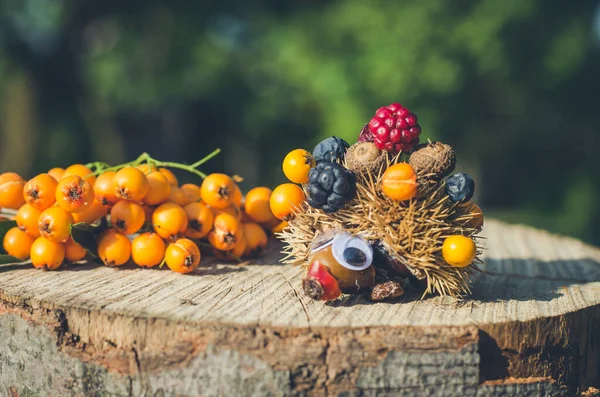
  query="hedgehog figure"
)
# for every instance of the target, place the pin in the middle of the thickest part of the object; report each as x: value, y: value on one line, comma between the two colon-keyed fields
x: 401, y: 224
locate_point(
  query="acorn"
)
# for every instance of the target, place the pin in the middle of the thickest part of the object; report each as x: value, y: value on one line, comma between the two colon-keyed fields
x: 433, y: 160
x: 364, y: 156
x: 342, y: 265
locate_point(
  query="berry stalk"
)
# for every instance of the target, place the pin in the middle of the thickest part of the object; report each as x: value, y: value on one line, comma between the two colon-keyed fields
x: 100, y: 167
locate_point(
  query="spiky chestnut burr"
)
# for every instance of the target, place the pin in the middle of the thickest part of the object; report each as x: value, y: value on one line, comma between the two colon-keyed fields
x: 433, y: 160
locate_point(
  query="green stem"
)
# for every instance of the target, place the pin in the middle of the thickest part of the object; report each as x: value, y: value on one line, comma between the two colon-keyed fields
x: 188, y: 168
x: 206, y: 158
x: 157, y: 163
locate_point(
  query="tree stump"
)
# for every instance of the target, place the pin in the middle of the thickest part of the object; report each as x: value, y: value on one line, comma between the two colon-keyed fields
x: 530, y: 328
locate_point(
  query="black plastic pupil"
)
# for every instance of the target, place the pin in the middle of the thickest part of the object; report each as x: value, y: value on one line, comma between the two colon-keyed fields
x: 354, y: 256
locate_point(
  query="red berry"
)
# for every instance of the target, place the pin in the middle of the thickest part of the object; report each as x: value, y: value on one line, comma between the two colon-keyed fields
x: 374, y: 124
x: 383, y: 113
x: 393, y: 128
x: 382, y: 133
x: 411, y: 119
x: 402, y: 113
x: 395, y: 107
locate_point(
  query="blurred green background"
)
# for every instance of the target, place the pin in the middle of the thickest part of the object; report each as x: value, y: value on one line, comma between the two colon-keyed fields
x: 513, y: 85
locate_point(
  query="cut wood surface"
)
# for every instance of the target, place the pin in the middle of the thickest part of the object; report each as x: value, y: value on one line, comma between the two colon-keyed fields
x: 531, y: 327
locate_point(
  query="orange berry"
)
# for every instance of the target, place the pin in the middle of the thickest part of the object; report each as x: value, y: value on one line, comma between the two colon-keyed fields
x: 11, y: 190
x: 399, y: 182
x: 47, y: 254
x: 27, y: 220
x: 159, y: 189
x: 256, y: 239
x: 104, y: 188
x: 130, y: 184
x: 17, y: 243
x: 182, y: 256
x: 146, y: 169
x: 40, y: 192
x: 55, y: 223
x: 127, y: 216
x: 270, y: 224
x: 192, y: 192
x: 236, y: 196
x: 178, y: 197
x: 200, y: 220
x: 226, y: 233
x: 73, y: 251
x: 285, y: 200
x: 170, y: 176
x: 232, y: 210
x: 148, y: 211
x: 147, y: 250
x: 217, y: 190
x: 80, y: 170
x: 114, y: 248
x: 56, y: 173
x: 257, y: 204
x: 91, y: 214
x: 169, y: 221
x: 279, y: 228
x: 235, y: 253
x: 74, y: 194
x: 296, y: 165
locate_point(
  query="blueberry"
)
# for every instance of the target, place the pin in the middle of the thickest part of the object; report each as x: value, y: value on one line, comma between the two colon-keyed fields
x: 336, y: 200
x: 329, y: 209
x: 341, y: 186
x: 313, y: 175
x: 331, y: 149
x: 313, y: 203
x: 326, y: 180
x: 354, y: 256
x: 339, y: 173
x: 460, y: 187
x: 317, y: 194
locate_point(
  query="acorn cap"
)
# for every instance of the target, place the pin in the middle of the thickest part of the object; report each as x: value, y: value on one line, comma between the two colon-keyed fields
x: 364, y: 156
x: 433, y: 160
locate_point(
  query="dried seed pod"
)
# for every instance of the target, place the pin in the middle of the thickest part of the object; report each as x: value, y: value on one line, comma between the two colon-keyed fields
x: 433, y: 160
x: 364, y: 156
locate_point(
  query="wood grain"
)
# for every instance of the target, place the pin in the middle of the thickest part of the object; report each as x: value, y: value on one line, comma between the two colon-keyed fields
x: 530, y: 328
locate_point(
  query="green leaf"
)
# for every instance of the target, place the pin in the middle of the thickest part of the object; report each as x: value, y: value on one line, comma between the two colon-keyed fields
x: 86, y: 235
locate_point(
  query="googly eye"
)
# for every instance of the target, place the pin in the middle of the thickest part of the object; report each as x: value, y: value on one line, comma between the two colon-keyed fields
x: 322, y: 241
x: 354, y: 256
x: 352, y: 252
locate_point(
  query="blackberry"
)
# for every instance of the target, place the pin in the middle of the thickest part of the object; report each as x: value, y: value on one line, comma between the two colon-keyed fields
x: 331, y: 149
x: 330, y: 186
x: 460, y: 187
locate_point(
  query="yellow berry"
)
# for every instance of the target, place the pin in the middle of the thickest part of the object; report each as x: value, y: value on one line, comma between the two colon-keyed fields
x: 459, y: 251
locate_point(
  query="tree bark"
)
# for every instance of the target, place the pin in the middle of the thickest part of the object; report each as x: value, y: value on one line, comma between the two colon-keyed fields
x: 529, y: 329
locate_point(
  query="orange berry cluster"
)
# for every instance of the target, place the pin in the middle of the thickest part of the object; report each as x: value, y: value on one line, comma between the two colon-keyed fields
x: 151, y: 218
